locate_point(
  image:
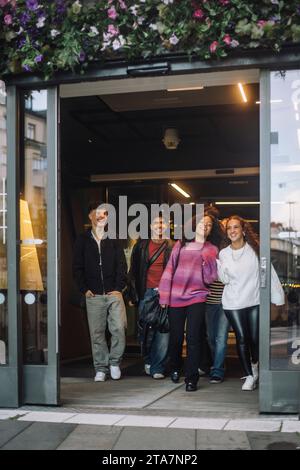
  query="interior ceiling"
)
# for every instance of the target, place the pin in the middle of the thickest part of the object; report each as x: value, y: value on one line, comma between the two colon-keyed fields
x: 123, y: 133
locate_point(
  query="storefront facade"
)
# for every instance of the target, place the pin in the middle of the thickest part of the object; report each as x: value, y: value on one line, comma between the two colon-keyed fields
x: 29, y: 297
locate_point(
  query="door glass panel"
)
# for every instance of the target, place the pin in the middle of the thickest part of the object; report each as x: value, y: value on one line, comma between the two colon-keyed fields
x: 33, y: 229
x: 285, y: 216
x: 3, y: 230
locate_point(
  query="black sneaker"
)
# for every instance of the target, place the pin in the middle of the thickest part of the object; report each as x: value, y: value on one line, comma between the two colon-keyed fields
x: 216, y: 380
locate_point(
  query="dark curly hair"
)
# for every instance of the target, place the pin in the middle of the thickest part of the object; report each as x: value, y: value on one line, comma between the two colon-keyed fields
x: 216, y: 236
x: 250, y: 236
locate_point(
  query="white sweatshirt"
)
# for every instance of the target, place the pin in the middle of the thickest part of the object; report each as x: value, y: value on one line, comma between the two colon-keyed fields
x: 239, y: 272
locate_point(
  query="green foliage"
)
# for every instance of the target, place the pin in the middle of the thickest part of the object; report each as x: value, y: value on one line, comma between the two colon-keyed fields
x: 44, y: 36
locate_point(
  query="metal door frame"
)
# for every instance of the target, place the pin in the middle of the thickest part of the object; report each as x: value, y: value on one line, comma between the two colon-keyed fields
x: 279, y: 391
x: 24, y: 383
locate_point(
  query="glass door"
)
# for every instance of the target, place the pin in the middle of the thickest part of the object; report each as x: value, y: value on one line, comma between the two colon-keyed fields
x: 280, y: 240
x: 9, y: 338
x: 38, y: 234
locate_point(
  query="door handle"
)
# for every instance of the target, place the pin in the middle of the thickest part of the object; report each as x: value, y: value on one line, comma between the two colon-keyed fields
x: 263, y: 272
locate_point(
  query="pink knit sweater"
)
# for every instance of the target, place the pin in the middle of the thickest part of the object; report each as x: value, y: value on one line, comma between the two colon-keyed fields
x: 196, y: 269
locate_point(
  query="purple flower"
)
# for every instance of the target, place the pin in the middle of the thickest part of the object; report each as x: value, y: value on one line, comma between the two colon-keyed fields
x: 21, y: 43
x: 32, y: 5
x: 26, y: 68
x: 81, y: 56
x: 38, y: 58
x: 25, y: 17
x: 60, y: 6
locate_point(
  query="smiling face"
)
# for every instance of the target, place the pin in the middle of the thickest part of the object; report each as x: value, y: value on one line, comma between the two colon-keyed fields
x: 234, y: 230
x: 98, y: 217
x: 158, y: 227
x: 204, y: 227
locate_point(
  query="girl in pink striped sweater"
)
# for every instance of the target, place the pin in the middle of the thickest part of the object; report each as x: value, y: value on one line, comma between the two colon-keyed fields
x: 184, y: 287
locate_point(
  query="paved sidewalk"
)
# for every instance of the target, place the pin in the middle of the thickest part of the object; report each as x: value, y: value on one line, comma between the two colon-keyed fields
x: 27, y: 435
x: 62, y: 430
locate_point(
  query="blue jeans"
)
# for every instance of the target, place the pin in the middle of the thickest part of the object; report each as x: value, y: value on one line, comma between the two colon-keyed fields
x: 217, y: 331
x: 157, y: 357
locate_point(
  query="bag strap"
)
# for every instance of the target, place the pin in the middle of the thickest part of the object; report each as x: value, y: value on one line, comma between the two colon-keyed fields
x: 158, y: 252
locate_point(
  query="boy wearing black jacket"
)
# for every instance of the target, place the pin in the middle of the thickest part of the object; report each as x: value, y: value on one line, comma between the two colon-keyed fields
x: 100, y: 271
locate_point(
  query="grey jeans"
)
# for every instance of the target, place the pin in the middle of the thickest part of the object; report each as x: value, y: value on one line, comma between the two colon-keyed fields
x: 102, y: 311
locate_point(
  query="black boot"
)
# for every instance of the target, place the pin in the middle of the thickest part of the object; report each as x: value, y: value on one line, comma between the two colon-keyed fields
x: 191, y: 387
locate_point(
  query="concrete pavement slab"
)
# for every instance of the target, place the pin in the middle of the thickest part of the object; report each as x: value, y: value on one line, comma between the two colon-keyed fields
x: 199, y: 423
x: 291, y: 426
x: 222, y: 440
x: 273, y: 441
x: 87, y: 437
x: 156, y: 439
x: 93, y: 418
x: 40, y: 436
x: 146, y: 421
x: 47, y: 417
x: 9, y: 429
x: 252, y: 425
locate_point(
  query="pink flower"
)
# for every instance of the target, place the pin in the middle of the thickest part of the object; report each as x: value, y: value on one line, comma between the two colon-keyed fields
x: 224, y: 2
x: 8, y: 19
x: 122, y: 4
x: 198, y: 14
x: 3, y: 3
x: 112, y: 30
x: 227, y: 39
x: 261, y: 23
x: 112, y: 13
x: 213, y: 47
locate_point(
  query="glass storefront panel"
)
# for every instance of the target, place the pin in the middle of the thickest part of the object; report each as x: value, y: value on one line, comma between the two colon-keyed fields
x: 285, y: 217
x: 3, y: 229
x: 33, y: 229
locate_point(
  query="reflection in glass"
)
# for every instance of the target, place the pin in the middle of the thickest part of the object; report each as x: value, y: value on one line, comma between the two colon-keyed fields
x: 3, y: 230
x: 33, y: 229
x: 285, y: 216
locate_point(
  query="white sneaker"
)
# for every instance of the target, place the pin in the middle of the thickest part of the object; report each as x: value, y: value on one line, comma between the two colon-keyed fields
x: 158, y: 376
x: 201, y: 372
x: 255, y: 372
x: 100, y: 377
x: 147, y: 369
x: 249, y: 383
x: 115, y: 372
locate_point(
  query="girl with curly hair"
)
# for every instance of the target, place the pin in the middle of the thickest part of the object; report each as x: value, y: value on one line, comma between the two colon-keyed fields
x: 238, y: 269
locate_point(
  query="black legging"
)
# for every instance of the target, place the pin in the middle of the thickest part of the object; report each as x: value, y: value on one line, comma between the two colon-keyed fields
x: 245, y: 323
x: 194, y: 315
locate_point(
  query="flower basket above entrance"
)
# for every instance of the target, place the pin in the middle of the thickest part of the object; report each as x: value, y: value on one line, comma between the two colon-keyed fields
x: 46, y: 36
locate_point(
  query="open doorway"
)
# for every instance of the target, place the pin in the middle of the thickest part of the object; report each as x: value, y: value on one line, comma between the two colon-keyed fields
x: 111, y: 145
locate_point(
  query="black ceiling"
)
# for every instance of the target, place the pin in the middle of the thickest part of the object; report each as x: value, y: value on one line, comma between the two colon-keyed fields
x: 96, y: 139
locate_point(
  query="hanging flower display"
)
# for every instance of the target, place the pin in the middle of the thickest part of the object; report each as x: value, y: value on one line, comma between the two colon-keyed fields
x: 45, y: 36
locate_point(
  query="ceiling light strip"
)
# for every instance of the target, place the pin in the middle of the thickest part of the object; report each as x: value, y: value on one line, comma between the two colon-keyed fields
x: 242, y: 91
x: 180, y: 190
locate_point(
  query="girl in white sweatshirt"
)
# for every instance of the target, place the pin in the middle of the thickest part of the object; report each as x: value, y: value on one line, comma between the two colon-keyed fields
x: 238, y: 269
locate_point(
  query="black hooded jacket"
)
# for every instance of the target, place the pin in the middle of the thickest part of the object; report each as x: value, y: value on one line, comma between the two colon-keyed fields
x: 89, y: 274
